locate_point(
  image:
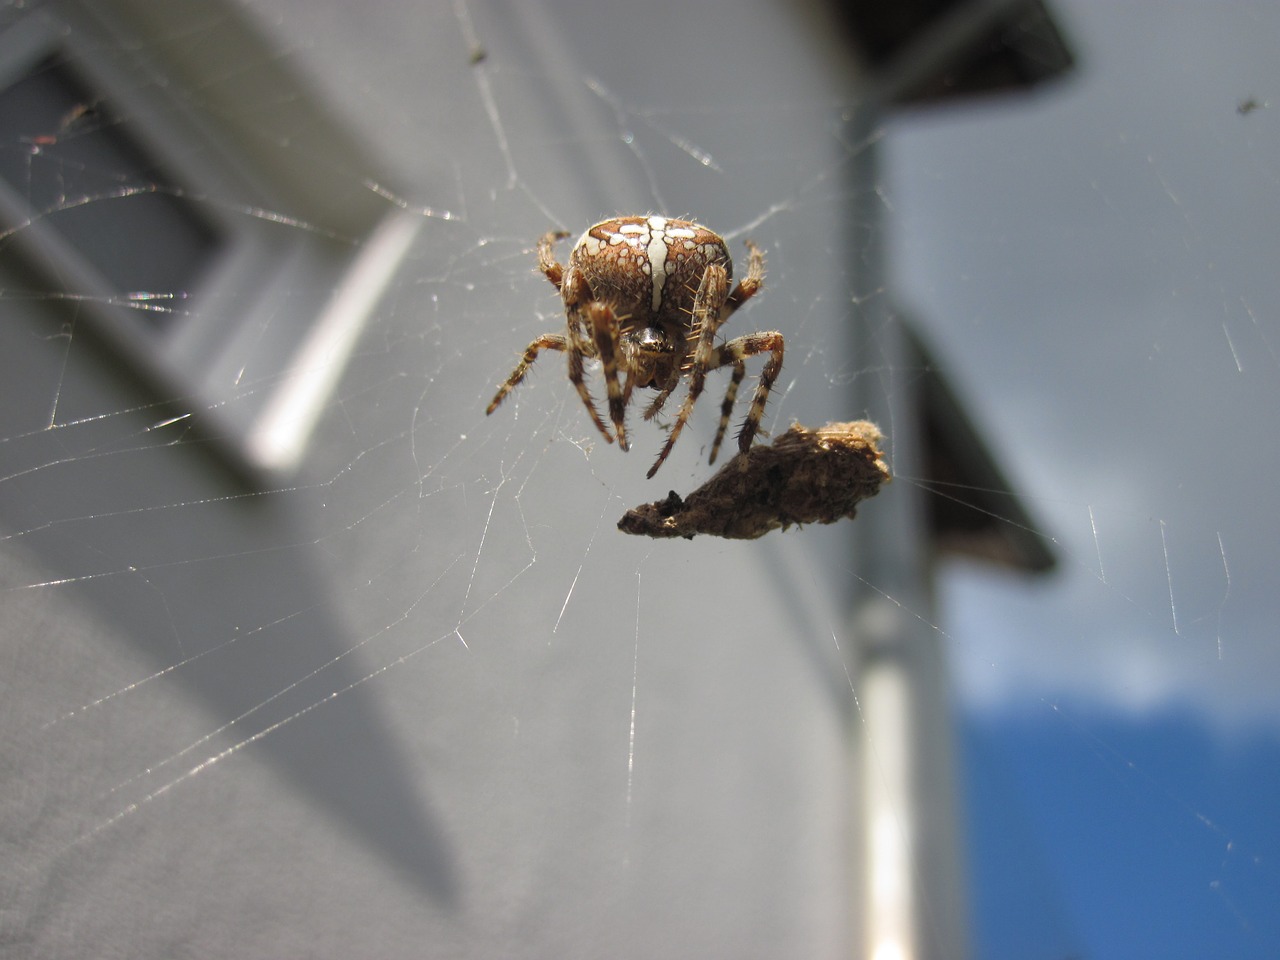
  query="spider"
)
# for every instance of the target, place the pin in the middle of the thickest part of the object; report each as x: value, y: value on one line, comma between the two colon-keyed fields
x: 647, y: 296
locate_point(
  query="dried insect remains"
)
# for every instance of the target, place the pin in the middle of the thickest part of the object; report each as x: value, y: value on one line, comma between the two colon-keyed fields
x: 647, y: 297
x: 806, y: 476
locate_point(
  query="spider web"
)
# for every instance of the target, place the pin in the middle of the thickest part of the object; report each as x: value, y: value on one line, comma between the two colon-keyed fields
x: 424, y: 693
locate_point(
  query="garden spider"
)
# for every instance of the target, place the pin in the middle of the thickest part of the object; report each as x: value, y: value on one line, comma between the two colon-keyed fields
x: 647, y: 296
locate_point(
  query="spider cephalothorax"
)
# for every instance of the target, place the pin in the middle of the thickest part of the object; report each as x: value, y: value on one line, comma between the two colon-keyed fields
x: 646, y: 296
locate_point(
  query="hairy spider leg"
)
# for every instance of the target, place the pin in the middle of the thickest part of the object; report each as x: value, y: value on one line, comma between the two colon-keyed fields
x: 674, y: 372
x: 747, y: 288
x: 604, y: 327
x: 652, y: 410
x: 554, y: 341
x: 574, y: 345
x: 739, y: 349
x: 726, y: 408
x: 548, y: 341
x: 707, y: 317
x: 547, y: 262
x: 580, y: 347
x: 582, y: 338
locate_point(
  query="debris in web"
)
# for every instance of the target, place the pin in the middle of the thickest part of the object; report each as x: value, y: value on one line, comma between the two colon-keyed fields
x: 805, y: 476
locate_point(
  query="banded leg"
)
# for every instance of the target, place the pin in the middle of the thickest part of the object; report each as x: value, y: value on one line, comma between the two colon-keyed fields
x: 749, y: 285
x: 577, y: 350
x: 548, y: 341
x: 747, y: 288
x: 726, y: 408
x: 605, y: 336
x: 707, y: 317
x: 547, y: 258
x: 653, y: 409
x: 739, y: 349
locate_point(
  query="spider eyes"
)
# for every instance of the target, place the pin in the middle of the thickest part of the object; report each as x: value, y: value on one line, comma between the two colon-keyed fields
x: 653, y: 340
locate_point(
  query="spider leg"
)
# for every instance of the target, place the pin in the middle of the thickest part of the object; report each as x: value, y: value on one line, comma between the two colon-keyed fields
x: 604, y: 328
x: 627, y: 387
x: 548, y: 341
x: 706, y: 319
x: 748, y: 286
x: 547, y: 259
x: 652, y: 410
x: 748, y: 345
x: 726, y: 408
x: 578, y: 348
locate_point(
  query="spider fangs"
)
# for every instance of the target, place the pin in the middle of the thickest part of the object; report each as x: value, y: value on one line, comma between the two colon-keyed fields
x: 647, y: 296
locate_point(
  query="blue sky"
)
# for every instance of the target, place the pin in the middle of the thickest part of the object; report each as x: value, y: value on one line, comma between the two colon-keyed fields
x: 1118, y: 837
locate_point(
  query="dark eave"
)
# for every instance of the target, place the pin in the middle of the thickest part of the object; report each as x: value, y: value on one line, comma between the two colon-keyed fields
x: 936, y: 50
x: 971, y: 508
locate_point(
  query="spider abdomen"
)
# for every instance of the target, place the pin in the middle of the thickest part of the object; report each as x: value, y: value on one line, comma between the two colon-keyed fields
x: 647, y: 269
